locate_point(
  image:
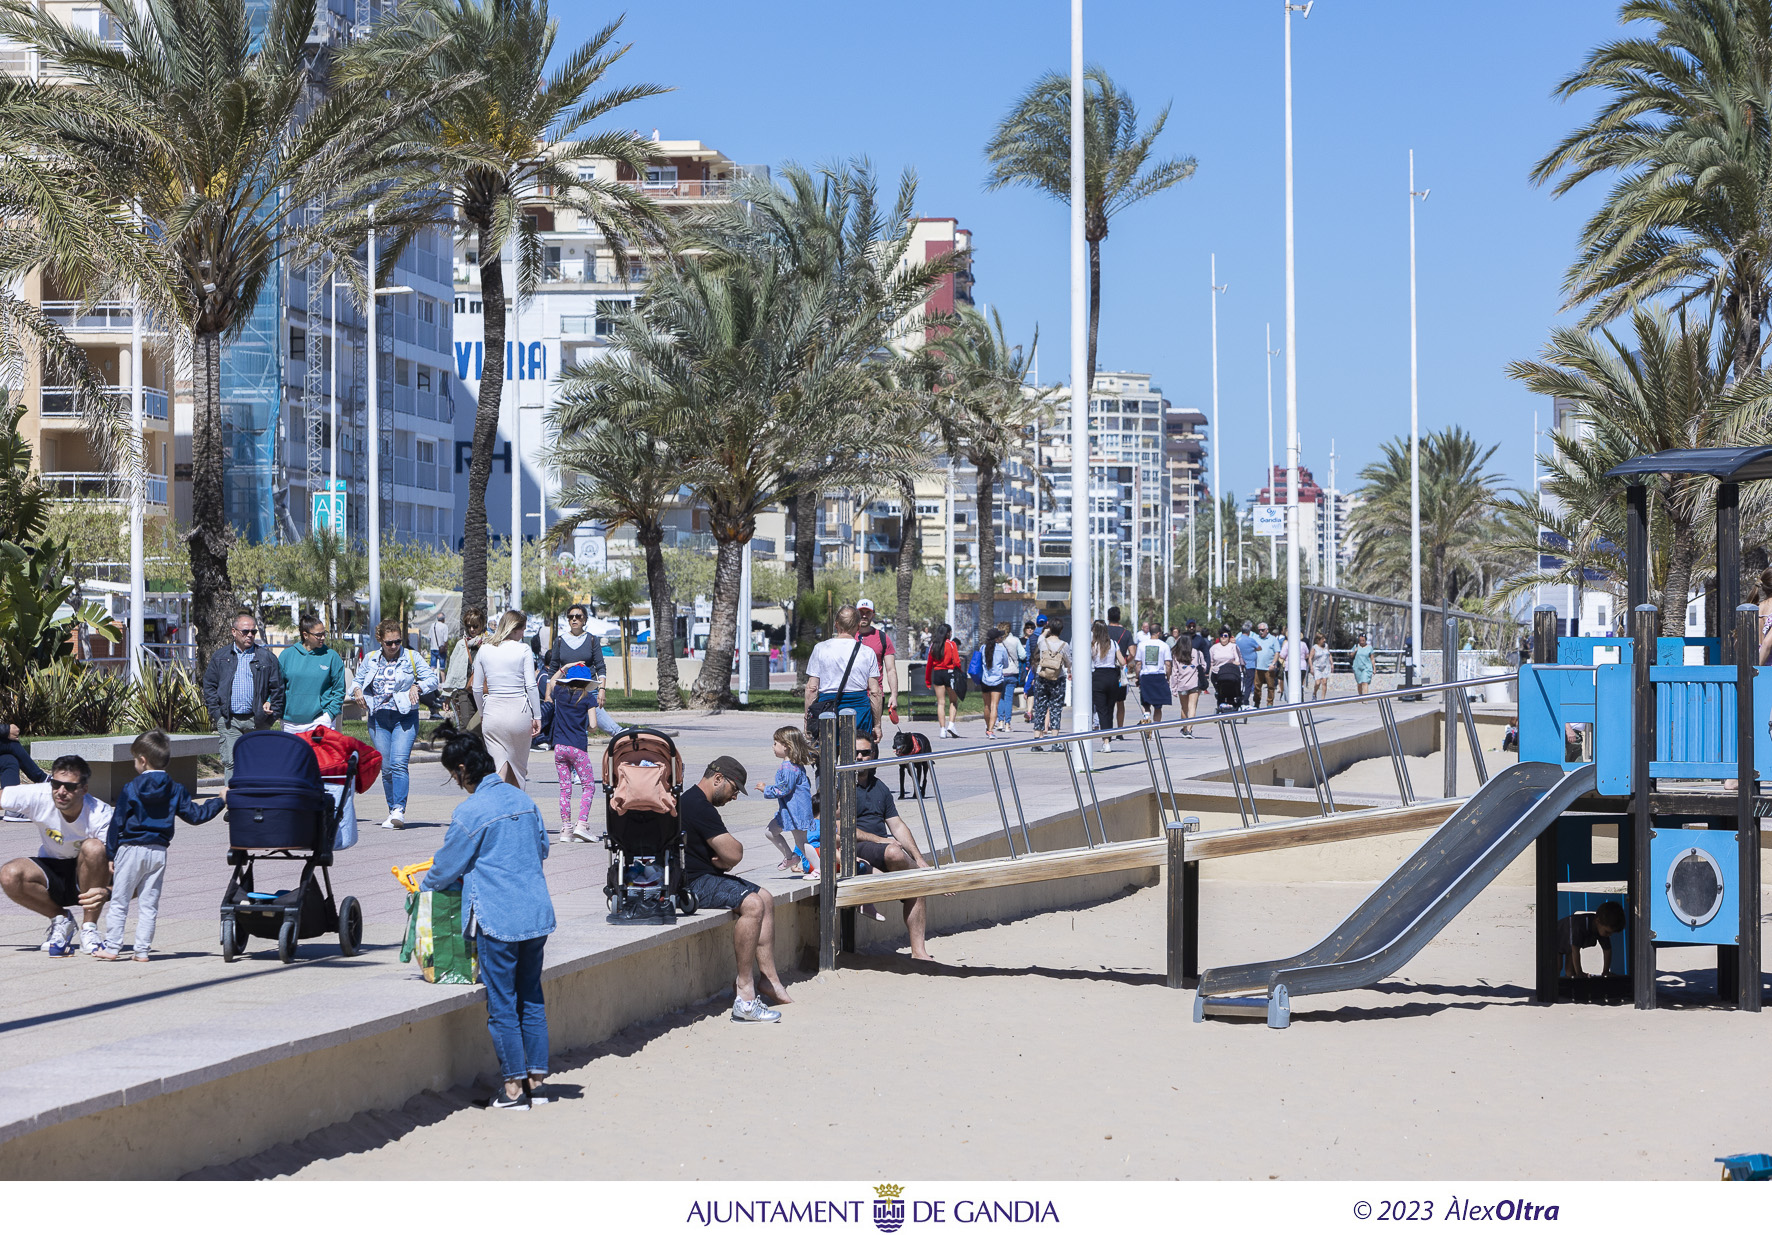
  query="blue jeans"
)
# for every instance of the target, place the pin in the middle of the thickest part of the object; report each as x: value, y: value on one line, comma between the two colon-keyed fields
x: 515, y: 1011
x: 1003, y: 704
x: 393, y: 735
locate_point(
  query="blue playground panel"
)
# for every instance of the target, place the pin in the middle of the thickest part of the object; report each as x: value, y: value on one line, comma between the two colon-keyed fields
x: 1747, y: 1166
x: 1721, y: 921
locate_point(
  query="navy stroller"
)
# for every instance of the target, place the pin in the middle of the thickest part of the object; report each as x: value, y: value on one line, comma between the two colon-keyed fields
x: 279, y: 810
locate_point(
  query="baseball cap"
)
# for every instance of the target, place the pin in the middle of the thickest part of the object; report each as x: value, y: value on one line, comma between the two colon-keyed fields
x: 864, y: 603
x: 730, y: 768
x: 1040, y: 621
x: 1191, y: 622
x: 578, y: 673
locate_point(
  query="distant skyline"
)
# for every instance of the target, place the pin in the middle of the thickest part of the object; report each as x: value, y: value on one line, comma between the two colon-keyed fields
x: 1468, y: 87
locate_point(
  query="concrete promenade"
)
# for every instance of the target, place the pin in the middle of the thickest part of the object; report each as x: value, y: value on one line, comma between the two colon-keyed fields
x: 91, y: 1050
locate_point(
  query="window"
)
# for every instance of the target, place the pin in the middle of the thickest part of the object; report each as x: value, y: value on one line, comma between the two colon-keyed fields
x: 473, y: 257
x: 929, y: 508
x: 427, y: 309
x: 551, y: 263
x: 427, y: 450
x: 579, y: 325
x: 402, y: 371
x: 298, y: 344
x: 587, y: 173
x: 661, y: 175
x: 427, y: 518
x: 424, y: 378
x: 607, y: 312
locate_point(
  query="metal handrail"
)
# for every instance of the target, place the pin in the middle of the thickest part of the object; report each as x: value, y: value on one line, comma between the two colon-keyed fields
x: 1215, y: 719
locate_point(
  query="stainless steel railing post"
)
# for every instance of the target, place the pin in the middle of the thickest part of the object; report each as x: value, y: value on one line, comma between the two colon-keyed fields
x: 1002, y: 810
x: 1027, y: 842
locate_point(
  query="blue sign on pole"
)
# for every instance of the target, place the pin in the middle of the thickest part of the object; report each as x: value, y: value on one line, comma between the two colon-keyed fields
x: 329, y: 508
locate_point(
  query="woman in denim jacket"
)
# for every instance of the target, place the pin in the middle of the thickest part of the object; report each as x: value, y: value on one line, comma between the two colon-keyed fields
x: 494, y: 848
x: 389, y: 684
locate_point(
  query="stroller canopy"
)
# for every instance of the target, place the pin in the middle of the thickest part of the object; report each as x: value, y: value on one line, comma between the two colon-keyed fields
x: 269, y: 761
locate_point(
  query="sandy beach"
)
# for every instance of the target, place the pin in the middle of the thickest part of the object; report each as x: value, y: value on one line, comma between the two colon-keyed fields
x: 1049, y: 1048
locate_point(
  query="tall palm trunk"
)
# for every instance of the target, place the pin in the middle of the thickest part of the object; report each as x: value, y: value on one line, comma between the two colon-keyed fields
x: 803, y: 513
x: 212, y: 593
x: 713, y: 686
x: 1094, y: 308
x: 492, y: 385
x: 664, y: 618
x: 910, y: 531
x: 1677, y: 584
x: 983, y: 507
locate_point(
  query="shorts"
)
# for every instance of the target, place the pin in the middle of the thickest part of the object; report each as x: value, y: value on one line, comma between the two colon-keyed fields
x: 1117, y: 694
x: 720, y: 891
x: 942, y: 677
x: 64, y: 883
x: 872, y: 852
x: 1153, y: 690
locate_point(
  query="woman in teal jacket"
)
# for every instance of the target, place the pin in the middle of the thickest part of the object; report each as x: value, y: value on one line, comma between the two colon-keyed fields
x: 313, y: 680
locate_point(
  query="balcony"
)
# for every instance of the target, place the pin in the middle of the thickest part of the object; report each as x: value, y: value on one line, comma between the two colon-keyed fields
x: 105, y: 317
x: 682, y: 190
x: 101, y: 487
x: 59, y: 402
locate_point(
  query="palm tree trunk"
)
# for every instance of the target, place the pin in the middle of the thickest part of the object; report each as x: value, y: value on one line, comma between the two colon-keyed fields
x: 212, y: 593
x: 713, y: 686
x: 492, y: 385
x: 1094, y: 310
x: 664, y: 618
x: 910, y: 531
x: 1678, y: 583
x: 987, y: 545
x: 803, y: 515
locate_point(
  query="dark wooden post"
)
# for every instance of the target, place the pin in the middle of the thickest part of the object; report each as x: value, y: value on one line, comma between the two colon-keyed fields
x: 845, y: 795
x: 1747, y: 824
x: 1645, y: 624
x: 1636, y: 546
x: 1544, y: 635
x: 1175, y: 879
x: 1728, y: 567
x: 828, y: 846
x: 1548, y: 960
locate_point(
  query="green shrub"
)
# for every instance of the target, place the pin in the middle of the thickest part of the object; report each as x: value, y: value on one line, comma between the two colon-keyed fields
x: 170, y: 700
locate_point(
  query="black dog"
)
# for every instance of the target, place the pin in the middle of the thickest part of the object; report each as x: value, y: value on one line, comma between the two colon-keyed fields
x: 904, y: 743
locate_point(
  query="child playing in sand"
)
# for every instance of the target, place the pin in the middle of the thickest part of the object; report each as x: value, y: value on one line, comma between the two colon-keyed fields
x: 792, y: 792
x: 1585, y: 930
x: 573, y: 701
x: 141, y: 830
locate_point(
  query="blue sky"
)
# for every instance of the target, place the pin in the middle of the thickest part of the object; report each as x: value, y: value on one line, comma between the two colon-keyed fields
x: 1467, y: 85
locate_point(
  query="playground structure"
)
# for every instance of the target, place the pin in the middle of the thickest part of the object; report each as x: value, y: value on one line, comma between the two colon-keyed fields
x: 1655, y: 741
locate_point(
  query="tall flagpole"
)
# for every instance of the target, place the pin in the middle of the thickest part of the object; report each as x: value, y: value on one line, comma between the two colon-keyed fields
x: 1414, y: 446
x: 1081, y: 505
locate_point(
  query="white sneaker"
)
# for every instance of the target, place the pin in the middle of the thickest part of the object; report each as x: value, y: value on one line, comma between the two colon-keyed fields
x: 583, y: 837
x: 398, y: 815
x: 90, y: 939
x: 390, y: 824
x: 754, y: 1011
x: 63, y: 922
x: 61, y: 932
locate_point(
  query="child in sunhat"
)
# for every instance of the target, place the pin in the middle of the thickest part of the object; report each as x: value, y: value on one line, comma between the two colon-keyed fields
x: 573, y: 700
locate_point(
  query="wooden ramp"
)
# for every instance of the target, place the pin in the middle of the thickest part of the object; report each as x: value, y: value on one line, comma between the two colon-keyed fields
x: 1130, y: 855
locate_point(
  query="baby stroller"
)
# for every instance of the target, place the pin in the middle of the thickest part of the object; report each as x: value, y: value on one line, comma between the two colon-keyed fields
x: 1227, y: 684
x: 643, y: 777
x: 279, y: 810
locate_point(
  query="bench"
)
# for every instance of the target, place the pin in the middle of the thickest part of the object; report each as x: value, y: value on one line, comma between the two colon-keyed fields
x: 113, y: 766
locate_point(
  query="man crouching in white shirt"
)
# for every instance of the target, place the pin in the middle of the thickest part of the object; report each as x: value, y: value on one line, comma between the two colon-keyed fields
x: 71, y: 867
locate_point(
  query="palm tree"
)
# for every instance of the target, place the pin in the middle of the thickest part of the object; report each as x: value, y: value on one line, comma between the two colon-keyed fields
x: 619, y: 595
x: 1032, y: 147
x: 512, y: 140
x: 202, y: 113
x: 1684, y: 140
x: 1668, y: 389
x: 323, y: 570
x: 984, y: 415
x: 398, y: 597
x: 621, y: 476
x: 1458, y: 500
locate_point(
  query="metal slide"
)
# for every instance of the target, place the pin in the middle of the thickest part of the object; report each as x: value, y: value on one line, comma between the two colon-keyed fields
x: 1408, y: 909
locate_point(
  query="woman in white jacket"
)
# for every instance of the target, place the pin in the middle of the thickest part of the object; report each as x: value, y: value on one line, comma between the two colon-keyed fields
x: 389, y: 684
x: 504, y: 690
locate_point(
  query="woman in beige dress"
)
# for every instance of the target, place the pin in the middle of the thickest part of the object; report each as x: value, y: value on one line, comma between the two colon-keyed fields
x: 504, y: 690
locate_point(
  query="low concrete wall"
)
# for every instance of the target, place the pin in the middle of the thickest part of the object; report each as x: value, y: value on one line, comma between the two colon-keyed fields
x: 113, y: 765
x: 393, y: 1046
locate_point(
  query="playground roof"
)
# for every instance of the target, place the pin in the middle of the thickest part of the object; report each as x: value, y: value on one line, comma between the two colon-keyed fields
x: 1729, y: 463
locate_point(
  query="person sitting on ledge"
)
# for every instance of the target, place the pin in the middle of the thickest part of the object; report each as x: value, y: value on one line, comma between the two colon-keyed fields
x: 884, y: 842
x: 710, y: 852
x: 1585, y: 930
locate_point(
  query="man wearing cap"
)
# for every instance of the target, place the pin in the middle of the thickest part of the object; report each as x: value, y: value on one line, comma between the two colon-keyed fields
x: 879, y: 643
x: 709, y: 853
x: 1247, y: 648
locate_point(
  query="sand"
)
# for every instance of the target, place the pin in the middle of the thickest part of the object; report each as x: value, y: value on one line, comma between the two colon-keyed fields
x: 1049, y: 1048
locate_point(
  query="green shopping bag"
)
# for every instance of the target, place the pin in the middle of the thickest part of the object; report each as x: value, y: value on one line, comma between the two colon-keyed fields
x: 433, y: 935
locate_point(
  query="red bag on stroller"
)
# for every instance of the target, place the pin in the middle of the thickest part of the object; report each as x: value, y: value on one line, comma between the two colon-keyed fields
x: 332, y: 751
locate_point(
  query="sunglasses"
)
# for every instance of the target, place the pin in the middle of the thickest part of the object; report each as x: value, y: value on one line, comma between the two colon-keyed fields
x: 66, y: 786
x: 314, y: 634
x: 575, y: 617
x: 865, y: 754
x: 390, y: 643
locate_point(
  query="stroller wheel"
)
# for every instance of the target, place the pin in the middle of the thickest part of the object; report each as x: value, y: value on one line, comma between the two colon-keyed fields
x: 350, y: 926
x: 286, y: 936
x: 686, y: 903
x: 613, y: 900
x: 233, y: 940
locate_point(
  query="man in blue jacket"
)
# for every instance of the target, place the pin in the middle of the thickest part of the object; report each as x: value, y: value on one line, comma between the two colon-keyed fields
x: 242, y: 688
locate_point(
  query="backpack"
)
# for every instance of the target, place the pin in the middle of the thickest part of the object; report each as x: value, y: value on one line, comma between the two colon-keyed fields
x: 1051, y: 660
x: 432, y: 699
x: 975, y: 667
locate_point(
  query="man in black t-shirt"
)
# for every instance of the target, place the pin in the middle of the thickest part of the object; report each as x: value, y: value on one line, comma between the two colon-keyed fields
x: 884, y: 842
x: 710, y: 851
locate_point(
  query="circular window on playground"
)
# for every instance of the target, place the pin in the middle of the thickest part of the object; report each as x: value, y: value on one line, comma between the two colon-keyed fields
x: 1695, y: 887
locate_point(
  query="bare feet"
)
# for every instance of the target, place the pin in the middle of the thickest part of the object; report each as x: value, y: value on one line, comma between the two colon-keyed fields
x: 921, y: 956
x: 775, y: 992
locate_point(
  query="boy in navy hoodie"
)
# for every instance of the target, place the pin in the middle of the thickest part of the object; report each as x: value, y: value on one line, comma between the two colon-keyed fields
x: 141, y: 829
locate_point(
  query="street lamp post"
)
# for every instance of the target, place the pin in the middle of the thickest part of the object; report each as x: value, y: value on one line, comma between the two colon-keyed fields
x: 1080, y: 393
x: 1272, y: 351
x: 1414, y: 444
x: 1293, y: 615
x: 138, y: 583
x: 1218, y: 289
x: 372, y: 533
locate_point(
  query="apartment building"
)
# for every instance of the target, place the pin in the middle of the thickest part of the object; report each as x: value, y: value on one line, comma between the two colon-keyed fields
x: 569, y: 321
